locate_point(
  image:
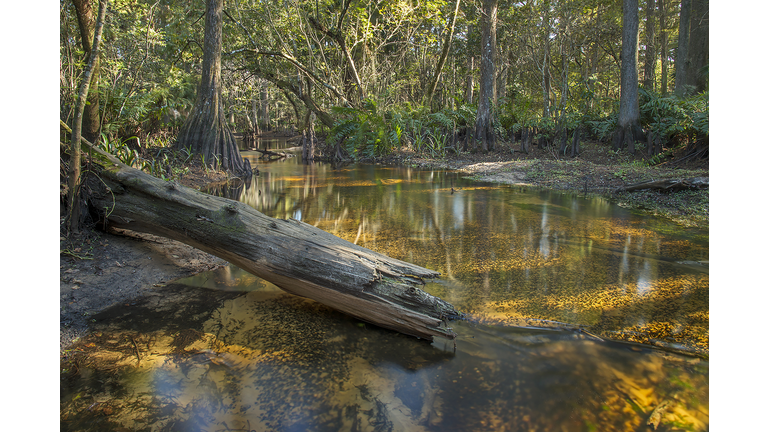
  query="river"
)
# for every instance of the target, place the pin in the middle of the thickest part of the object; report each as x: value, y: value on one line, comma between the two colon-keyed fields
x: 581, y: 316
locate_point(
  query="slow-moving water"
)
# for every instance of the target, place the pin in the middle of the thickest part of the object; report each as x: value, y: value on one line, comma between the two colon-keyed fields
x: 578, y: 316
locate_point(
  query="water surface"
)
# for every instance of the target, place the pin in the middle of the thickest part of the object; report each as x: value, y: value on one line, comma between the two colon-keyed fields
x: 557, y: 289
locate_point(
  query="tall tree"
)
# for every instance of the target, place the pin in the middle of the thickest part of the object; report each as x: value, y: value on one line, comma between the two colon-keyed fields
x: 86, y: 20
x: 546, y: 83
x: 206, y: 131
x: 484, y: 124
x: 73, y: 183
x: 629, y: 108
x: 664, y: 50
x: 681, y: 59
x: 443, y: 55
x: 649, y: 74
x: 698, y: 47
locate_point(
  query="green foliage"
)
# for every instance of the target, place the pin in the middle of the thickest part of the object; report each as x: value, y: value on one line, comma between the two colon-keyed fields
x: 675, y: 120
x: 603, y: 128
x: 516, y: 113
x: 364, y: 131
x: 120, y: 149
x: 368, y: 132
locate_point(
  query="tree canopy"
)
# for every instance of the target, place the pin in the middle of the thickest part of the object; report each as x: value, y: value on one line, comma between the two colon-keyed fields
x: 383, y: 74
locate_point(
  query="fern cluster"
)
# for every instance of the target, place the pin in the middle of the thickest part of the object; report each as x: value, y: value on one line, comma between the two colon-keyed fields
x: 368, y: 131
x: 675, y: 120
x: 364, y: 131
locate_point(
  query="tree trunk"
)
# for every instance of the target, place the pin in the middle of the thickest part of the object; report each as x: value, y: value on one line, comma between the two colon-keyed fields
x: 629, y: 107
x: 295, y: 256
x: 697, y: 72
x: 86, y: 21
x: 669, y: 185
x: 681, y: 60
x: 73, y: 181
x: 649, y: 75
x: 443, y: 56
x: 525, y: 140
x: 564, y: 141
x: 264, y: 108
x: 206, y: 131
x: 308, y: 141
x: 484, y: 125
x: 255, y: 113
x: 575, y: 148
x: 546, y: 85
x: 664, y: 48
x: 469, y: 93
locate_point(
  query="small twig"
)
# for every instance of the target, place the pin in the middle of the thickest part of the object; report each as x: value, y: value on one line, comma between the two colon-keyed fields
x: 138, y: 354
x: 74, y: 255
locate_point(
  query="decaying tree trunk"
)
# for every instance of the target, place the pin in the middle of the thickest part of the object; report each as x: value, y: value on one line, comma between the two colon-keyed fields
x: 668, y: 185
x: 295, y: 256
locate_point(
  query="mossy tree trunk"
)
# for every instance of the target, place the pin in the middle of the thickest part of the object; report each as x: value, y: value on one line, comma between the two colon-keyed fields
x: 86, y: 21
x: 205, y: 131
x: 73, y: 180
x: 295, y: 256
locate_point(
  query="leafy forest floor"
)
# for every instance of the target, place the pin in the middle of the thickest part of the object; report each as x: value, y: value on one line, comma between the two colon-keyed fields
x: 99, y: 269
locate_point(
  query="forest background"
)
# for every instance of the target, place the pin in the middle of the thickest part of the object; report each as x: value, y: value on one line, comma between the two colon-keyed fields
x: 375, y: 76
x: 735, y: 78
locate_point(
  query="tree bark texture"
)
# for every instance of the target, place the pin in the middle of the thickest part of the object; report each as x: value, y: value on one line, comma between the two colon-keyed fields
x: 86, y: 21
x: 470, y: 84
x: 681, y: 60
x: 697, y: 71
x: 546, y: 84
x: 649, y: 74
x: 629, y: 107
x: 308, y: 139
x: 484, y: 125
x: 664, y: 48
x: 73, y: 180
x: 295, y: 256
x: 575, y: 147
x: 206, y: 131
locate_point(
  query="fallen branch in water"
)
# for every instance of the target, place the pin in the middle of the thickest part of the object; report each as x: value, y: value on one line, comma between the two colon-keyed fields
x: 669, y: 185
x: 297, y: 257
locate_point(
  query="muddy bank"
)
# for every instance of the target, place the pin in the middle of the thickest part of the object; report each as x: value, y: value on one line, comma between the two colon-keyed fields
x: 99, y: 269
x: 118, y: 268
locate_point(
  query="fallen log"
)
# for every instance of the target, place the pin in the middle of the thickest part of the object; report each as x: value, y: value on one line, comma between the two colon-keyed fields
x: 269, y: 154
x: 295, y: 256
x: 669, y: 185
